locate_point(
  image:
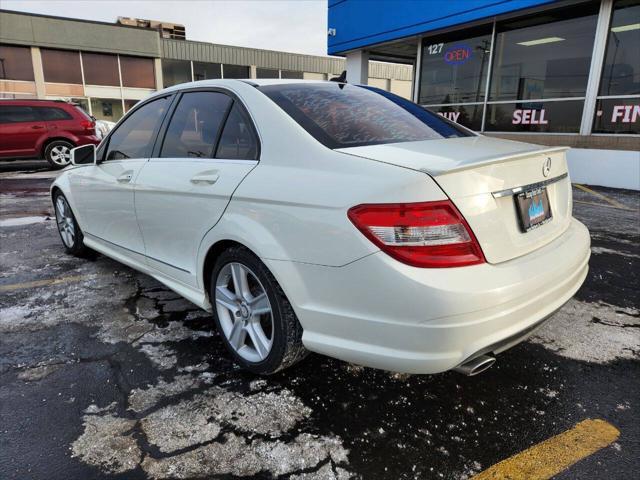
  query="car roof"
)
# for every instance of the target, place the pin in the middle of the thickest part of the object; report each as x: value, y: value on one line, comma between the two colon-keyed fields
x: 228, y: 82
x: 34, y: 101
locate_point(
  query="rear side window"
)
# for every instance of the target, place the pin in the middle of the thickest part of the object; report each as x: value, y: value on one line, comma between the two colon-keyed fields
x: 135, y: 136
x: 238, y: 140
x: 341, y: 116
x: 194, y: 126
x: 17, y: 114
x: 51, y: 114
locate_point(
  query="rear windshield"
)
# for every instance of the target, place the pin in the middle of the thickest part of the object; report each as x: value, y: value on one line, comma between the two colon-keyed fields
x: 340, y: 115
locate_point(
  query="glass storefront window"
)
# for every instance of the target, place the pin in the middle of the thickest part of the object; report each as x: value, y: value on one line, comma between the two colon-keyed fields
x: 291, y: 74
x: 267, y: 73
x: 107, y: 109
x: 621, y: 69
x: 535, y: 60
x: 61, y: 66
x: 454, y: 68
x: 617, y: 115
x: 235, y: 71
x: 206, y: 71
x: 175, y: 72
x: 556, y: 117
x: 469, y: 116
x: 15, y: 63
x: 137, y: 72
x: 100, y: 69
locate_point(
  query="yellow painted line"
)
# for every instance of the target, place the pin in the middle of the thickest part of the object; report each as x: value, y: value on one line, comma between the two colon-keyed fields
x: 610, y: 201
x: 46, y: 282
x: 548, y: 458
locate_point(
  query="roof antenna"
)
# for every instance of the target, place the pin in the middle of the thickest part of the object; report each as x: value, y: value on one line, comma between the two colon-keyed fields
x: 342, y: 78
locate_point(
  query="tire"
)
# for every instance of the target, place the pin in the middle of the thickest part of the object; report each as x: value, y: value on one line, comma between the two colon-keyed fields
x: 237, y: 317
x: 68, y: 228
x: 58, y: 153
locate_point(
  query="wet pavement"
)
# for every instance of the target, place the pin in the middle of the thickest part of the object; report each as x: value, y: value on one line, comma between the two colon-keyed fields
x: 104, y: 373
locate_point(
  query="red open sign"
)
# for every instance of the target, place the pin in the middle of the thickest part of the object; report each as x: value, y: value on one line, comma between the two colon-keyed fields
x: 457, y: 54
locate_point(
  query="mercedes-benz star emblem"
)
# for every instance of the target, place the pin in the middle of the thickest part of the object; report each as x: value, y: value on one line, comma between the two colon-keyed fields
x: 546, y: 167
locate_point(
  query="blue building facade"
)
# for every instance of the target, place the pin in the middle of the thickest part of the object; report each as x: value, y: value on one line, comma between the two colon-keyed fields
x: 555, y: 72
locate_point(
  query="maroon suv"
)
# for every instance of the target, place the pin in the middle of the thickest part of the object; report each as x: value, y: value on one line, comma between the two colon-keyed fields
x: 44, y: 128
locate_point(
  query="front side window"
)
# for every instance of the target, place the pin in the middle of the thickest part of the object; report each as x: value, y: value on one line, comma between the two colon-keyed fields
x: 51, y: 114
x: 238, y: 140
x: 135, y: 136
x: 17, y: 114
x: 340, y: 116
x: 453, y: 69
x: 193, y: 129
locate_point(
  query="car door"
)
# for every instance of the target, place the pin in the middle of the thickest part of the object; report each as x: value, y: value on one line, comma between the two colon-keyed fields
x: 20, y: 131
x: 103, y: 193
x: 209, y: 146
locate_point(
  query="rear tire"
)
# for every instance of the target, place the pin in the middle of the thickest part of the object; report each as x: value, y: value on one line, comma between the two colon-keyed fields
x: 58, y: 153
x: 257, y: 325
x: 68, y: 228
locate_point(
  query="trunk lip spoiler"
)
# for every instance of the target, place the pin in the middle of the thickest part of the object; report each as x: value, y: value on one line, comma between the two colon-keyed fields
x: 492, y: 160
x: 532, y: 186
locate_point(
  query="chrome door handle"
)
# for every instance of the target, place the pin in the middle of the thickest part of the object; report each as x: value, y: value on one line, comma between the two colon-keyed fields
x: 125, y: 178
x: 204, y: 179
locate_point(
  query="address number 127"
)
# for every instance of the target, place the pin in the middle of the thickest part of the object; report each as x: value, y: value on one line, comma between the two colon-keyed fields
x: 435, y: 48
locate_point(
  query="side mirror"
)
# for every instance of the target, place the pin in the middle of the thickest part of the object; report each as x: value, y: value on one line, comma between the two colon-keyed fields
x: 84, y: 155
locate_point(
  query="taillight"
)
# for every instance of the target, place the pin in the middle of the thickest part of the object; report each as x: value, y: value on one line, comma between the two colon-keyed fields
x: 429, y: 234
x: 89, y: 126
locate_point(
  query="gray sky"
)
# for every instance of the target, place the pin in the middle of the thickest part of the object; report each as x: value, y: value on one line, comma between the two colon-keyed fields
x: 287, y: 25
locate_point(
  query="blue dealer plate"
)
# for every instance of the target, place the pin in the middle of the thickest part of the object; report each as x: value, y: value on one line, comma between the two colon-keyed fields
x: 533, y: 208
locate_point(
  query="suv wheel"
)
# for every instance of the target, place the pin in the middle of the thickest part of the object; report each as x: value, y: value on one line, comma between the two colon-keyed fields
x: 58, y: 153
x: 255, y: 320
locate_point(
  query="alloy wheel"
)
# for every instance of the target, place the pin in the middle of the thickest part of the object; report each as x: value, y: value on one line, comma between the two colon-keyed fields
x: 60, y: 155
x: 244, y: 312
x: 66, y: 225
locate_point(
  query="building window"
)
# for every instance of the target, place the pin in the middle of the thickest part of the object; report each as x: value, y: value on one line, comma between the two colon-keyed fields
x: 543, y: 117
x: 453, y: 68
x: 61, y: 66
x: 620, y: 73
x: 100, y: 69
x: 621, y: 69
x: 549, y: 60
x: 175, y: 72
x: 137, y: 72
x: 267, y: 73
x: 107, y: 109
x: 291, y: 74
x: 206, y: 71
x: 468, y: 115
x: 15, y: 63
x: 235, y: 71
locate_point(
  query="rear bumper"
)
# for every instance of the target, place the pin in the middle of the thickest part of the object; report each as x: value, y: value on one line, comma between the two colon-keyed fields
x: 88, y: 139
x: 381, y: 313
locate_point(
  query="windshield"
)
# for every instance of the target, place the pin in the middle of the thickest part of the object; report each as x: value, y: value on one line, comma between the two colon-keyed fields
x: 340, y: 115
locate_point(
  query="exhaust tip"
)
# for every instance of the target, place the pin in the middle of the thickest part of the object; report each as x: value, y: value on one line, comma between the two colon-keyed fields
x: 476, y: 365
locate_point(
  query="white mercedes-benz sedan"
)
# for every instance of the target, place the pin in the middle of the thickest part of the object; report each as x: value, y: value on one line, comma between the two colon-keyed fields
x: 332, y: 218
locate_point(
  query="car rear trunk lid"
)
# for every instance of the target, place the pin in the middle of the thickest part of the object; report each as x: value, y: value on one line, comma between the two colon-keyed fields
x: 482, y: 176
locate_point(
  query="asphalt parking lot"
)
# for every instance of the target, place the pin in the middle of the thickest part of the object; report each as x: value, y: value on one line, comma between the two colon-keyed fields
x: 104, y: 373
